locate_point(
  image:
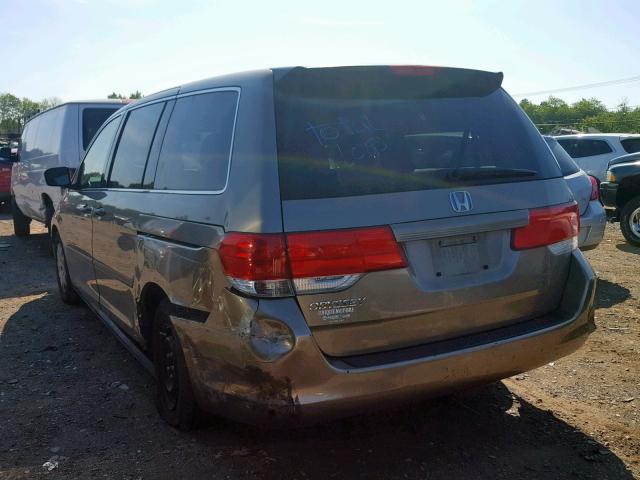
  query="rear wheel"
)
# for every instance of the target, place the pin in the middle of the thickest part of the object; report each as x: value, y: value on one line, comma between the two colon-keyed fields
x: 21, y: 223
x: 174, y: 394
x: 630, y: 221
x: 67, y: 293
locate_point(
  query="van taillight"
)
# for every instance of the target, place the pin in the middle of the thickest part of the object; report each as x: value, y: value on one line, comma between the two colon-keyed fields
x: 548, y: 226
x: 595, y: 188
x: 307, y: 262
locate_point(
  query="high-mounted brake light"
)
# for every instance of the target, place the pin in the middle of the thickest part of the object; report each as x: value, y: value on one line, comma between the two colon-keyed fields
x: 413, y: 70
x: 549, y: 226
x: 307, y: 262
x: 595, y: 188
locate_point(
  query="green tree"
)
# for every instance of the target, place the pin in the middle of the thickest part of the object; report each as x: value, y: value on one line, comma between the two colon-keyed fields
x: 136, y: 95
x: 10, y: 114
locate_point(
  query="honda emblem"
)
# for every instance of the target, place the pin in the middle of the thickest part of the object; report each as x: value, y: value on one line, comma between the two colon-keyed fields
x: 460, y: 201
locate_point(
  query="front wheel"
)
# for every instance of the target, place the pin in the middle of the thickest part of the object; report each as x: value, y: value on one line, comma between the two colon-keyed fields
x: 630, y: 221
x: 21, y: 223
x: 67, y: 293
x: 174, y: 394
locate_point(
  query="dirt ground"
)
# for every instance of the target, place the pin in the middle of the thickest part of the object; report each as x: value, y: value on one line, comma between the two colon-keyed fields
x: 72, y: 396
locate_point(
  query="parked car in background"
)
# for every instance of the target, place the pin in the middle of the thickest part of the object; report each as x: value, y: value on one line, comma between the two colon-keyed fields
x: 301, y: 243
x: 56, y: 137
x: 621, y: 193
x: 593, y: 219
x: 592, y: 152
x: 5, y: 182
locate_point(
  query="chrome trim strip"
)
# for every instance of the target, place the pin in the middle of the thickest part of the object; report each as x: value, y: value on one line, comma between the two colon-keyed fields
x: 460, y: 225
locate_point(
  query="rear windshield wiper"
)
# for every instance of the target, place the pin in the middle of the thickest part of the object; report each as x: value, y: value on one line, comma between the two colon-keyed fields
x: 469, y: 173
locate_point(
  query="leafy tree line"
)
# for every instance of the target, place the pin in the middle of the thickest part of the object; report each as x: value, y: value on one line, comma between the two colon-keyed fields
x: 586, y: 115
x: 15, y: 111
x: 133, y: 96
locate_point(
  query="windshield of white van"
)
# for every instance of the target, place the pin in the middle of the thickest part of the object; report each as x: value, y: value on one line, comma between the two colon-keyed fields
x: 338, y: 140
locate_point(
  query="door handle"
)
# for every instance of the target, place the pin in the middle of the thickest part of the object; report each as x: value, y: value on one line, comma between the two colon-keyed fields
x: 86, y: 208
x: 99, y: 212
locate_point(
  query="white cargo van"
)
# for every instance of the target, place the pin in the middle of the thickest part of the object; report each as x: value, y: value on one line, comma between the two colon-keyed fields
x: 56, y: 137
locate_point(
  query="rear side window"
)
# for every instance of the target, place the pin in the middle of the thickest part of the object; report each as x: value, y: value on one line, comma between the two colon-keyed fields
x: 133, y: 148
x: 92, y: 170
x: 631, y: 145
x: 337, y: 138
x: 196, y: 149
x: 567, y: 165
x: 584, y: 147
x: 92, y: 120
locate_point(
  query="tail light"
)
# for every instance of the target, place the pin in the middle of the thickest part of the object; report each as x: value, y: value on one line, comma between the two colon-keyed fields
x: 595, y: 188
x: 281, y: 265
x: 549, y: 226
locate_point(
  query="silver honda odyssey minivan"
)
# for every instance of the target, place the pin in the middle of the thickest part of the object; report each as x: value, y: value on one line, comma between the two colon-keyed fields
x: 303, y: 243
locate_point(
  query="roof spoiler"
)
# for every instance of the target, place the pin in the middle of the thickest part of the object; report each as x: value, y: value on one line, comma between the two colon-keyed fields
x: 402, y: 82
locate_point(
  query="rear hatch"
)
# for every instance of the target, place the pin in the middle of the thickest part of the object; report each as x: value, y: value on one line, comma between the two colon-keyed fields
x: 447, y: 168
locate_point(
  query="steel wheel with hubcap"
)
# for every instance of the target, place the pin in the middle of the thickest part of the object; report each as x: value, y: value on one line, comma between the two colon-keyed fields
x: 174, y: 394
x: 630, y: 221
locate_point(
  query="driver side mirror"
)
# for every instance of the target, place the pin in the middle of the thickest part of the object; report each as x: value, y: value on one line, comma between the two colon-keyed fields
x: 58, y: 177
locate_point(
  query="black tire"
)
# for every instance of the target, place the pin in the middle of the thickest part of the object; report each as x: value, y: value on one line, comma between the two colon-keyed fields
x: 174, y: 395
x: 67, y: 292
x: 21, y: 223
x: 630, y: 221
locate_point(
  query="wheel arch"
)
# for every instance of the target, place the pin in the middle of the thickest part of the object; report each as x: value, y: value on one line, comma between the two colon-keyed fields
x: 629, y: 188
x: 150, y: 297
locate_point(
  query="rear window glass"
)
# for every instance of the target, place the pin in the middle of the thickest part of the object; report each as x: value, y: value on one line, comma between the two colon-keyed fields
x: 631, y: 145
x: 196, y: 148
x: 567, y: 165
x: 584, y: 147
x: 341, y: 146
x: 92, y: 120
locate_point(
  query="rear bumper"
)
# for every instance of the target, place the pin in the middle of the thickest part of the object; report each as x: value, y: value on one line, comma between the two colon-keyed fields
x: 608, y: 194
x: 592, y: 225
x: 305, y: 386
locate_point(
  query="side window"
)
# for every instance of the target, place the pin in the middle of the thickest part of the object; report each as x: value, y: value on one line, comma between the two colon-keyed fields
x: 631, y: 145
x: 566, y: 163
x: 133, y: 148
x: 92, y: 120
x: 196, y: 149
x: 569, y: 146
x: 91, y: 173
x: 589, y: 148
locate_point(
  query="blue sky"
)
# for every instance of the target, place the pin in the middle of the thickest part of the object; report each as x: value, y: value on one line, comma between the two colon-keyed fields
x: 77, y: 49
